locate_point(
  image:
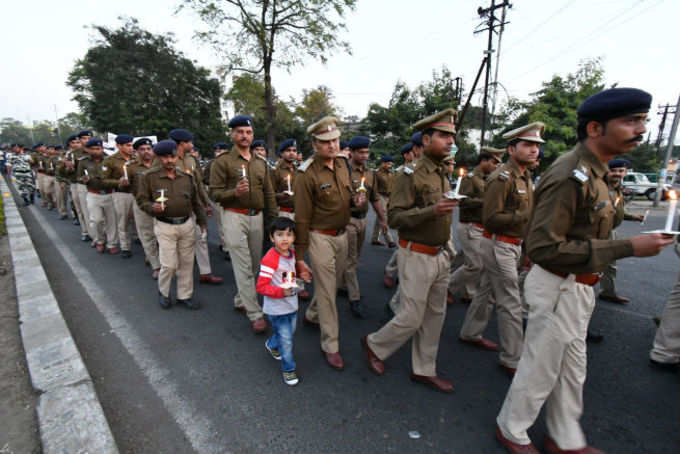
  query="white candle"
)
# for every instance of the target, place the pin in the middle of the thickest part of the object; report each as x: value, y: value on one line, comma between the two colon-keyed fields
x: 461, y: 172
x: 41, y: 164
x: 288, y: 178
x: 243, y: 171
x: 86, y: 174
x: 362, y: 188
x: 125, y: 171
x: 673, y: 196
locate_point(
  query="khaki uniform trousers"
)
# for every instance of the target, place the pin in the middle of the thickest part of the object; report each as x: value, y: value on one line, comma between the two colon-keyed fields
x: 392, y: 269
x: 145, y: 231
x: 40, y: 177
x: 217, y: 210
x: 102, y: 219
x: 49, y: 183
x: 176, y: 254
x: 553, y: 365
x: 327, y: 255
x: 123, y: 203
x: 667, y: 341
x: 608, y: 281
x: 423, y: 280
x: 467, y: 276
x: 85, y: 221
x: 202, y: 254
x: 356, y: 234
x: 75, y: 202
x: 499, y: 283
x: 376, y: 225
x: 61, y: 195
x: 244, y: 235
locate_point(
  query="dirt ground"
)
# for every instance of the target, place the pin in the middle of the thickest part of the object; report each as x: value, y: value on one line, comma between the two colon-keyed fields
x: 19, y: 428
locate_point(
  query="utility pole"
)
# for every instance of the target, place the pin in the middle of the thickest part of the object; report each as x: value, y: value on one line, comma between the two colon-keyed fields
x: 669, y: 150
x: 498, y: 60
x: 491, y: 19
x: 662, y: 126
x: 56, y: 118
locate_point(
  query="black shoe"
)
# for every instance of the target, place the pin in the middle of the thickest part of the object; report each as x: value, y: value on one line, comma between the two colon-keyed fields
x: 76, y: 221
x: 164, y: 301
x: 358, y: 309
x: 85, y: 238
x: 594, y: 337
x: 126, y: 254
x: 342, y: 292
x: 227, y: 257
x: 62, y: 217
x: 190, y: 304
x: 32, y: 198
x: 657, y: 320
x: 137, y: 241
x: 666, y: 367
x: 26, y: 202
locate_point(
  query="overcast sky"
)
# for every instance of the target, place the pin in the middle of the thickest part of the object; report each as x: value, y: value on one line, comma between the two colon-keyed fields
x: 392, y: 40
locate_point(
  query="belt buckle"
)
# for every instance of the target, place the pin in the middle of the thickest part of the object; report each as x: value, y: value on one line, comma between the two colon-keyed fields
x: 102, y: 192
x: 252, y: 212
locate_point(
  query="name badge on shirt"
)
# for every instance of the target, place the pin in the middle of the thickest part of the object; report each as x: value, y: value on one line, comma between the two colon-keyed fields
x: 325, y: 186
x: 601, y: 205
x: 521, y: 191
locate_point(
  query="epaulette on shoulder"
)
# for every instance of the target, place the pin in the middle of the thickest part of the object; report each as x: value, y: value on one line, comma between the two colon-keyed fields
x: 503, y: 175
x: 83, y: 157
x: 305, y: 165
x: 580, y: 173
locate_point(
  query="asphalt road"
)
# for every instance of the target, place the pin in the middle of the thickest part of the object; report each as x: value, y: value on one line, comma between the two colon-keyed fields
x: 182, y: 381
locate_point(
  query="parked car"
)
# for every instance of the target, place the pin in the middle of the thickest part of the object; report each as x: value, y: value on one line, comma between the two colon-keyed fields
x: 641, y: 185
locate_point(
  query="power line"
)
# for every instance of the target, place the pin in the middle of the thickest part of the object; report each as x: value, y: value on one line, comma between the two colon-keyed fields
x: 539, y: 26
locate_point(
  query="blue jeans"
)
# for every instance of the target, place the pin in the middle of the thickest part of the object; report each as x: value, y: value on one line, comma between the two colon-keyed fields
x: 282, y: 339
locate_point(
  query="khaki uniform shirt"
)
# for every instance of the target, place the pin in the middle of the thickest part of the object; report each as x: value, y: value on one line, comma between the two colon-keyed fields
x: 40, y: 163
x: 71, y: 173
x: 369, y: 183
x: 574, y: 216
x: 508, y: 200
x: 226, y: 173
x: 616, y: 195
x: 51, y: 163
x: 383, y: 178
x: 180, y: 192
x: 280, y: 182
x: 191, y: 166
x: 472, y: 186
x: 114, y: 171
x: 323, y: 198
x: 415, y: 191
x: 95, y: 172
x: 136, y: 171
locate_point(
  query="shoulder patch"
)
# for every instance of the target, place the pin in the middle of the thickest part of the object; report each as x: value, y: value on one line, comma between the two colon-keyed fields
x: 579, y: 175
x: 305, y: 165
x: 503, y: 175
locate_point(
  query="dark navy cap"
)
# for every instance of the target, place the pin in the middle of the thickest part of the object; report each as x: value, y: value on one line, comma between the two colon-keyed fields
x: 386, y: 158
x: 124, y: 138
x: 240, y: 120
x: 286, y: 144
x: 165, y: 148
x: 181, y: 135
x: 616, y: 163
x: 359, y: 142
x: 407, y: 148
x: 344, y: 144
x: 417, y: 139
x: 143, y: 141
x: 85, y: 132
x: 50, y: 146
x: 258, y: 143
x: 94, y: 143
x: 58, y: 147
x: 37, y: 145
x: 220, y: 146
x: 71, y: 138
x: 541, y: 155
x: 613, y: 103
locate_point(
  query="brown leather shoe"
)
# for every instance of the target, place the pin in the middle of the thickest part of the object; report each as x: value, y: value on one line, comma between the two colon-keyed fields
x: 113, y: 250
x: 334, y: 360
x: 435, y: 382
x: 304, y: 295
x: 614, y: 299
x: 377, y: 243
x: 388, y: 281
x: 259, y: 326
x: 210, y: 279
x: 154, y: 274
x: 310, y: 323
x: 552, y: 448
x: 449, y: 298
x: 100, y: 248
x: 515, y: 448
x: 483, y: 343
x: 374, y: 363
x: 510, y: 371
x: 391, y: 245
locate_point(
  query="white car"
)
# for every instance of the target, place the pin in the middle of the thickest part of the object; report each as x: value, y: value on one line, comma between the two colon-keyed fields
x: 641, y: 185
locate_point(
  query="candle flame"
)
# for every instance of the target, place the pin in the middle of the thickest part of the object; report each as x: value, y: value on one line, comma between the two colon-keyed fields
x: 462, y: 172
x: 673, y: 195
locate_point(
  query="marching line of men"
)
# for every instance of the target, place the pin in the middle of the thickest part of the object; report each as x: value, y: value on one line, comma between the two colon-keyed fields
x: 562, y: 229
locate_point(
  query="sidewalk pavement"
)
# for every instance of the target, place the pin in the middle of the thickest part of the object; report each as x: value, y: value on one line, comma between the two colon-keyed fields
x: 70, y: 417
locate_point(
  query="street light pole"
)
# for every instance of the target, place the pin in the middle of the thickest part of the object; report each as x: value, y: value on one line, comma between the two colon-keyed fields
x: 669, y: 150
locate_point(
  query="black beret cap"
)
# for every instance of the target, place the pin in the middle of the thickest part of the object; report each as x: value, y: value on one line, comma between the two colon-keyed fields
x: 613, y: 103
x: 386, y: 158
x: 142, y: 141
x: 165, y: 148
x: 406, y: 148
x: 417, y: 139
x: 85, y: 132
x: 94, y: 143
x: 58, y: 147
x: 181, y: 135
x: 240, y: 120
x: 286, y: 144
x: 344, y: 144
x: 220, y: 146
x: 71, y: 138
x: 359, y: 142
x: 124, y: 138
x: 616, y: 163
x: 258, y: 143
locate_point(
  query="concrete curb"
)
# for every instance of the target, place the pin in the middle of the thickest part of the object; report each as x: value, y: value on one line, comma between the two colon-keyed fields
x: 70, y: 416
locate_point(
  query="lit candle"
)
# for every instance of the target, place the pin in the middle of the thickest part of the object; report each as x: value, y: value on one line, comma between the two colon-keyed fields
x: 41, y: 164
x: 243, y: 171
x: 673, y: 196
x: 162, y: 199
x: 461, y: 174
x: 86, y: 174
x: 125, y: 171
x: 362, y: 188
x: 288, y: 178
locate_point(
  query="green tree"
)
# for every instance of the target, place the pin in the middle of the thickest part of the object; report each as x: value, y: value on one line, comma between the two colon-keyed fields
x: 14, y: 131
x: 135, y: 82
x: 316, y: 104
x: 255, y: 35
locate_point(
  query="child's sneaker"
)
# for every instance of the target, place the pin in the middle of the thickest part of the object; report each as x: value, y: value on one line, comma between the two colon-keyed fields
x: 290, y: 378
x: 272, y: 351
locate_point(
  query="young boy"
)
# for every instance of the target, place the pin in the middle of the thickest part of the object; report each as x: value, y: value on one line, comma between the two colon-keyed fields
x: 276, y: 282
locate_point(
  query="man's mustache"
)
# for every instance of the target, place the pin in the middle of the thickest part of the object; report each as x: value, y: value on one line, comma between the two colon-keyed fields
x: 637, y: 138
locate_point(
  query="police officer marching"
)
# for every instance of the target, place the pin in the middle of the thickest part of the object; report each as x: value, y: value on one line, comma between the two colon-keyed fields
x: 383, y: 177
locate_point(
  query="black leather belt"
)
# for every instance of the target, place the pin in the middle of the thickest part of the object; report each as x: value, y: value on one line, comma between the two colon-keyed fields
x: 359, y: 215
x: 174, y: 221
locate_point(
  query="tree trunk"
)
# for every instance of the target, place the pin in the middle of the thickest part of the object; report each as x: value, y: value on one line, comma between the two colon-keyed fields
x: 270, y: 110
